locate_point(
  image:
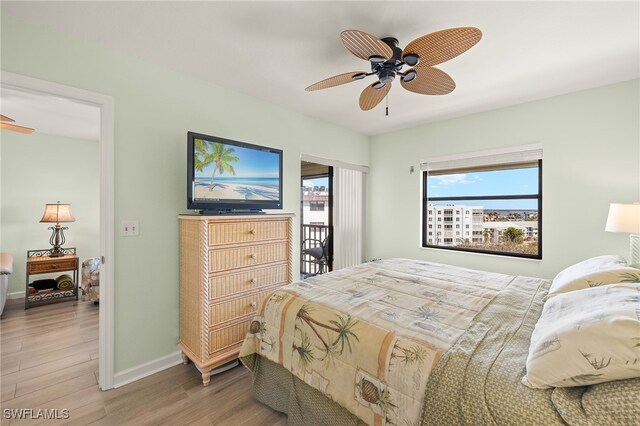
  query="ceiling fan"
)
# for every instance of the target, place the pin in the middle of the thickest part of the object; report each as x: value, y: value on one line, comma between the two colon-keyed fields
x: 5, y: 123
x: 387, y: 61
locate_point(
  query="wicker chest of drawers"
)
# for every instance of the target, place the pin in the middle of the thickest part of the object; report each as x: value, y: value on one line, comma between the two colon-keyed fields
x: 228, y: 264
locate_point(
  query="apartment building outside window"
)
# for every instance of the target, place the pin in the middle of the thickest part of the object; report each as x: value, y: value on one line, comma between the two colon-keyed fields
x: 316, y: 206
x: 495, y: 197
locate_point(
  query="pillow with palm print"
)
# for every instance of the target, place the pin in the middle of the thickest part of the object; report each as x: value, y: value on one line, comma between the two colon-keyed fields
x: 585, y: 337
x: 593, y: 272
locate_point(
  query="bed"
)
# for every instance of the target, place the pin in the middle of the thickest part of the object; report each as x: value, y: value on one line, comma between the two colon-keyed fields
x: 405, y: 342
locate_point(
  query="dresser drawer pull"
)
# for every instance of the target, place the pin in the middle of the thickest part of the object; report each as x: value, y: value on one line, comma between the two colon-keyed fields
x: 54, y: 266
x: 253, y: 281
x: 253, y: 256
x: 252, y: 231
x: 254, y: 306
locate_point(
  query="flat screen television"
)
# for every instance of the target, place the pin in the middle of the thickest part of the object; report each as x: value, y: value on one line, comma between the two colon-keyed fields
x: 231, y: 177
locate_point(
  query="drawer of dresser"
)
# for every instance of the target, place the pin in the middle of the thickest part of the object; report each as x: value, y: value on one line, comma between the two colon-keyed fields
x: 52, y: 266
x: 245, y: 232
x: 240, y: 257
x: 228, y: 336
x: 236, y: 308
x: 230, y: 284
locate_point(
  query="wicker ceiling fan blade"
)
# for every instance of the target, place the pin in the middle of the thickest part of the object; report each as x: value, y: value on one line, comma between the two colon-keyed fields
x: 430, y: 81
x: 7, y: 119
x: 370, y: 97
x: 440, y: 46
x: 336, y: 80
x: 15, y: 128
x: 364, y: 45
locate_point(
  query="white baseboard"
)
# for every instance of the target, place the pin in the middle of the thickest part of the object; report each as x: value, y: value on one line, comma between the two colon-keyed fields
x: 16, y: 295
x: 148, y: 368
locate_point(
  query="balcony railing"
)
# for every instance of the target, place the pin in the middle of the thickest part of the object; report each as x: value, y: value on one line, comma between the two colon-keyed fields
x: 309, y: 264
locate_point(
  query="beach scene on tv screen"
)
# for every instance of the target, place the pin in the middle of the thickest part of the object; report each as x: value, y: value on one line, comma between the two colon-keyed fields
x: 227, y: 172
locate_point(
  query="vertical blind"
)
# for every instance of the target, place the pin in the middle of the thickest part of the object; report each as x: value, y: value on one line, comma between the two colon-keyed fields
x: 349, y: 197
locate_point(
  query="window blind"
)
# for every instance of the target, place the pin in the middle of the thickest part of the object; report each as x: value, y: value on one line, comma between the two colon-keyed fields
x: 349, y: 216
x: 512, y: 157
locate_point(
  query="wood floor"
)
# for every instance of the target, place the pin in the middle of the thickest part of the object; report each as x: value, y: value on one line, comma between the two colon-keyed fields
x: 50, y: 361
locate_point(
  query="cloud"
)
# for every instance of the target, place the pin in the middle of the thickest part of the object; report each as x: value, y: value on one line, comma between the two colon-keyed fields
x: 457, y: 178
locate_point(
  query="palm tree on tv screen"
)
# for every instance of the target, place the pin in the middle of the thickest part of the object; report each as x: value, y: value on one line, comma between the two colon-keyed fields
x: 217, y: 153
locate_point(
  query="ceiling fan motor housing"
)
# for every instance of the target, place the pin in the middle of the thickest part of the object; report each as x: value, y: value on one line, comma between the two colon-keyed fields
x: 387, y: 70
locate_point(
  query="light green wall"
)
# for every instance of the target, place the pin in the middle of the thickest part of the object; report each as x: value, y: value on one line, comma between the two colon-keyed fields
x: 38, y: 169
x: 591, y: 159
x: 154, y: 109
x: 591, y: 143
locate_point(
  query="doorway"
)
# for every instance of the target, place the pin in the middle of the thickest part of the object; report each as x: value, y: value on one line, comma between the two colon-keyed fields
x: 316, y: 219
x: 105, y: 151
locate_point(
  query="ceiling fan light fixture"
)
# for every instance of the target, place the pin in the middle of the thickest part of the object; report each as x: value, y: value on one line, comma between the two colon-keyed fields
x: 386, y: 75
x: 411, y: 59
x: 378, y: 85
x: 409, y: 76
x: 359, y: 76
x: 375, y: 59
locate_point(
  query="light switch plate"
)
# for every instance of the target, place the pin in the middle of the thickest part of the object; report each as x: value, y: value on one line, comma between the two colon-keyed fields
x: 130, y: 228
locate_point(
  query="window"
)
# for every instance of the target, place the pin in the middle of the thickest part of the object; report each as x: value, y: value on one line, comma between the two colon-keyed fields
x: 496, y: 197
x: 316, y: 206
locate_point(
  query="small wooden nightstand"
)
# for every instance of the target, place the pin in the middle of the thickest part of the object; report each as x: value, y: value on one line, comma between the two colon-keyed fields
x: 39, y: 262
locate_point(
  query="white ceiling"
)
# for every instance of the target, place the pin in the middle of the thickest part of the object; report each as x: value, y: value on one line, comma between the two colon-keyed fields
x: 50, y: 114
x: 273, y: 50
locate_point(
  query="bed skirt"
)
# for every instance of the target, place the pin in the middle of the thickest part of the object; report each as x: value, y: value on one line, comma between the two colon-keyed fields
x: 276, y: 387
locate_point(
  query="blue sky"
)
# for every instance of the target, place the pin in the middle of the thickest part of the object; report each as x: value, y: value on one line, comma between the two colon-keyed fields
x: 501, y: 182
x: 317, y: 182
x: 252, y: 163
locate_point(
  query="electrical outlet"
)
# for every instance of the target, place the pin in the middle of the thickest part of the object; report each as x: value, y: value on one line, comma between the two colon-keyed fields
x: 130, y: 228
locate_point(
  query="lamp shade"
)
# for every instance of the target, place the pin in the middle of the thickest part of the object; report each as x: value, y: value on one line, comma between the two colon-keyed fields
x: 624, y: 218
x: 56, y: 213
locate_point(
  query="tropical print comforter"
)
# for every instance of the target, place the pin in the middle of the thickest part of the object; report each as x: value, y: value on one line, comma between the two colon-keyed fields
x: 368, y: 336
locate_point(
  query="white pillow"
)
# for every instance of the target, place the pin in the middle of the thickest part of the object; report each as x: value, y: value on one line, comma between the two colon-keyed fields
x: 593, y: 272
x: 585, y: 337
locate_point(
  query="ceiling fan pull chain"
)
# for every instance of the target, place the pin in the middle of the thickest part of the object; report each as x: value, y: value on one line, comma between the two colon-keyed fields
x: 387, y: 106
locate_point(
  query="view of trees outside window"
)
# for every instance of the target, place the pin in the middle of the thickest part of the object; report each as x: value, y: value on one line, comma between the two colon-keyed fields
x: 490, y: 211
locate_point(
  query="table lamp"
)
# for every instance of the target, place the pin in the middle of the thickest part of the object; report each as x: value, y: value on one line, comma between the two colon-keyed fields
x: 626, y: 218
x: 56, y: 213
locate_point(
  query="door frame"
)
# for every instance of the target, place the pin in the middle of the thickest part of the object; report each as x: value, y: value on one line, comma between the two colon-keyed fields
x: 329, y: 176
x: 340, y: 165
x: 106, y: 105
